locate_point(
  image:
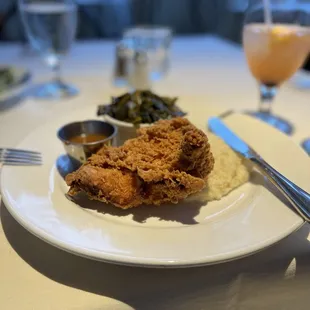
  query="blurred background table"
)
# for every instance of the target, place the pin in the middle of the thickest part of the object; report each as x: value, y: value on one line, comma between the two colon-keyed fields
x: 205, y: 70
x: 108, y: 18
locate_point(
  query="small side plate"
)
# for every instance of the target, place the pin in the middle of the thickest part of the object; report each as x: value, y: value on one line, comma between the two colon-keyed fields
x: 21, y: 81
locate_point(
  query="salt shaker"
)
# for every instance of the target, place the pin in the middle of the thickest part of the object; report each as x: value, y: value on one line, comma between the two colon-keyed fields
x: 138, y: 74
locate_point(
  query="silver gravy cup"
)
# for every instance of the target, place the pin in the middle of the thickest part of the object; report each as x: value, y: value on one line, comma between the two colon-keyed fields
x: 78, y: 151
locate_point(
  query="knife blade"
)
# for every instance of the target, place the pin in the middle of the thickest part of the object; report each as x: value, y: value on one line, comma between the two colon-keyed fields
x: 221, y: 130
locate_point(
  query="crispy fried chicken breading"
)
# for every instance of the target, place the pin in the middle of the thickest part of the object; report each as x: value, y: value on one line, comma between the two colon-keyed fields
x: 165, y: 163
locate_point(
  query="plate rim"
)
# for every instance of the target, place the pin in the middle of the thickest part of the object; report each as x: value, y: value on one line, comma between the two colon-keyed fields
x: 75, y: 250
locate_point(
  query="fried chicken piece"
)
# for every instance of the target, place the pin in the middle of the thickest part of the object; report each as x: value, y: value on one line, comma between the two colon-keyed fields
x: 166, y: 163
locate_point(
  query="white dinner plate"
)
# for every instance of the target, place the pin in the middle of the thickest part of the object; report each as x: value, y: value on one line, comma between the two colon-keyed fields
x: 249, y: 219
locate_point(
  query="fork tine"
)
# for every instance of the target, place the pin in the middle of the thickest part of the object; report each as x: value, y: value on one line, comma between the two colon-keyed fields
x: 19, y: 151
x: 21, y: 164
x: 19, y: 156
x: 20, y: 161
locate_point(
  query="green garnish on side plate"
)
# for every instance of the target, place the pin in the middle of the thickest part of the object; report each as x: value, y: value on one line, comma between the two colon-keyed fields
x: 6, y: 78
x: 141, y: 107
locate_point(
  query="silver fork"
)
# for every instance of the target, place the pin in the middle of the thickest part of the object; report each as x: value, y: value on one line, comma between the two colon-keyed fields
x: 17, y: 157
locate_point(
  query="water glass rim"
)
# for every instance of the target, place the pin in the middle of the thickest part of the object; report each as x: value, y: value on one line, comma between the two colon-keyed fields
x: 148, y: 30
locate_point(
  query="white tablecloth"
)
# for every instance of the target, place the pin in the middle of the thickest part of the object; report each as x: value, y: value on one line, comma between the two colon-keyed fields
x: 35, y: 275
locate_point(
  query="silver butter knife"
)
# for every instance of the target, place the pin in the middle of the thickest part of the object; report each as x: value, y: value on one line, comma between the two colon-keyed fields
x: 299, y: 198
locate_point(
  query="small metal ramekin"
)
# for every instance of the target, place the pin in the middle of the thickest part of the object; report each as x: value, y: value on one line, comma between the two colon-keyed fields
x: 81, y: 151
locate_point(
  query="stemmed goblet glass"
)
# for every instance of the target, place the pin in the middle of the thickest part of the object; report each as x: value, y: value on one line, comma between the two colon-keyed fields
x: 275, y: 49
x: 50, y: 26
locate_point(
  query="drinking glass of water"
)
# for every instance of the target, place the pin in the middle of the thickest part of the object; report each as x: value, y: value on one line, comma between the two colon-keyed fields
x: 50, y: 26
x: 151, y: 42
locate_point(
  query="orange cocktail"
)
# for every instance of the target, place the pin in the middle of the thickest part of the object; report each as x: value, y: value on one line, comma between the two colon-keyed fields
x: 275, y: 52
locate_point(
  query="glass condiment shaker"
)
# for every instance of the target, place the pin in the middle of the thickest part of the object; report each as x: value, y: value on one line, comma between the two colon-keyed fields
x: 138, y: 71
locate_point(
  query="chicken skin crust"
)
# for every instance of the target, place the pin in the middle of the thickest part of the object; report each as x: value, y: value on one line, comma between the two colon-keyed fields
x: 167, y: 162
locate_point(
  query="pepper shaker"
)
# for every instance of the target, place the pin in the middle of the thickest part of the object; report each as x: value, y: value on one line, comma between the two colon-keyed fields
x: 120, y: 66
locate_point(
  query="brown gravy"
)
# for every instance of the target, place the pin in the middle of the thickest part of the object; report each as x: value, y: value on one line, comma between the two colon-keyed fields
x: 83, y: 138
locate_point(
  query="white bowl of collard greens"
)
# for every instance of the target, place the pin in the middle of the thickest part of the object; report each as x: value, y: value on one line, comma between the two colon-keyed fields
x: 131, y: 111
